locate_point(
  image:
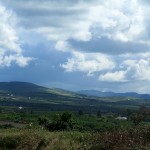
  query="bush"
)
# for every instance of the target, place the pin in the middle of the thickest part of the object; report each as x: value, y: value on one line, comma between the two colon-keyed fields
x: 44, y: 121
x: 59, y: 122
x: 128, y: 139
x: 6, y: 126
x: 62, y: 122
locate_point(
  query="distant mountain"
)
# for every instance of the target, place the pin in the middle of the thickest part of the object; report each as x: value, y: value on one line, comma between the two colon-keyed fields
x: 30, y: 89
x: 113, y: 94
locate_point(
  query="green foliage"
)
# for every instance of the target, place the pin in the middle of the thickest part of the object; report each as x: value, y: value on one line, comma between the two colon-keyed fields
x: 133, y: 138
x: 143, y: 114
x: 62, y: 121
x: 44, y: 121
x: 59, y: 122
x: 36, y: 139
x: 6, y: 126
x: 136, y: 118
x: 99, y: 113
x: 127, y: 139
x: 22, y: 139
x: 80, y: 112
x: 77, y: 132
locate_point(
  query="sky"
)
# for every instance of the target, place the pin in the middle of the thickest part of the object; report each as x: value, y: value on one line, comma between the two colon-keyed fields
x: 76, y: 44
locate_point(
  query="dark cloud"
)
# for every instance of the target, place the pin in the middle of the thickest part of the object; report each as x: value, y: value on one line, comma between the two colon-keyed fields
x: 109, y: 46
x: 48, y: 13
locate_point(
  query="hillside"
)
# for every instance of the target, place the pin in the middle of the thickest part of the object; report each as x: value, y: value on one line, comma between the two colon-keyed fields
x: 38, y: 98
x: 31, y: 96
x: 30, y: 89
x: 20, y: 87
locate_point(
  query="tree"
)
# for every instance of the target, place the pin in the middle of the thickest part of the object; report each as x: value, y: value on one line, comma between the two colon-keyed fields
x: 62, y: 122
x: 128, y: 112
x: 80, y: 112
x: 44, y: 121
x: 136, y: 118
x: 99, y: 113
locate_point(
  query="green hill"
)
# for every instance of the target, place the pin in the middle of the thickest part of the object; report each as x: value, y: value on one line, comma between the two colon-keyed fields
x: 34, y: 97
x: 20, y: 87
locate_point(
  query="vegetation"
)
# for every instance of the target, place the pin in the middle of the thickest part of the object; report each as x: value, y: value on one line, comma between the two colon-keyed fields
x: 36, y: 120
x: 66, y: 130
x: 35, y: 138
x: 36, y: 98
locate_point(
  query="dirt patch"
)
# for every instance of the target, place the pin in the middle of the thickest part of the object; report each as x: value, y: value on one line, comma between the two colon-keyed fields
x: 17, y: 125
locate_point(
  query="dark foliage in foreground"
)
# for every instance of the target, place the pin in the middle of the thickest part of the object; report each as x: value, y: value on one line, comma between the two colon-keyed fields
x: 136, y: 138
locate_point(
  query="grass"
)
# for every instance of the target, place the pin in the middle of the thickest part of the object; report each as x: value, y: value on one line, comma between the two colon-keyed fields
x: 38, y: 139
x: 135, y: 138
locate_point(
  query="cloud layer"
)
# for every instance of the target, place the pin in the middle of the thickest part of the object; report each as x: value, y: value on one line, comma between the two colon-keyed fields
x: 106, y: 40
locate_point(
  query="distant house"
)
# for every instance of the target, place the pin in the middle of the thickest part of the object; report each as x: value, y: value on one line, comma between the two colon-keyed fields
x: 121, y: 118
x: 20, y: 108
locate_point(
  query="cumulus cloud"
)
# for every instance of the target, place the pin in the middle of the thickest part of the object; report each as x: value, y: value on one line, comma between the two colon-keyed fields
x: 118, y: 76
x: 10, y: 50
x: 88, y: 63
x: 82, y: 20
x: 138, y: 69
x: 125, y: 69
x: 6, y: 61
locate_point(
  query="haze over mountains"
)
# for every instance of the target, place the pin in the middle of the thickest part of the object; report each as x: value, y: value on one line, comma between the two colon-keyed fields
x: 113, y: 94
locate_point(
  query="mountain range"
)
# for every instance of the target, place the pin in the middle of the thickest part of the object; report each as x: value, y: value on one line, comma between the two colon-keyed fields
x: 113, y: 94
x: 23, y: 88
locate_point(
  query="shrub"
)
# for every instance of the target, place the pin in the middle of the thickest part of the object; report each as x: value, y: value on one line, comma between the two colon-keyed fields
x: 59, y: 122
x: 44, y: 121
x: 62, y: 122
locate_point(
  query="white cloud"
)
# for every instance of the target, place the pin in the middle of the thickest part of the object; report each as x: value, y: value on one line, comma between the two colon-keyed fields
x: 62, y: 46
x: 119, y: 20
x: 131, y: 68
x: 82, y: 20
x: 88, y: 63
x: 141, y: 69
x: 138, y: 67
x: 6, y: 61
x: 10, y: 50
x: 118, y: 76
x: 8, y: 37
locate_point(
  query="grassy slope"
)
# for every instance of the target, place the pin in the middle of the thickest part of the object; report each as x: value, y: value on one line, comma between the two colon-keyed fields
x: 40, y: 98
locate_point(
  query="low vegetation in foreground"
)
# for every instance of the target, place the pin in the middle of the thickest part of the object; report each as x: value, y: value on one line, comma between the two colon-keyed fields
x: 137, y: 138
x: 70, y: 131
